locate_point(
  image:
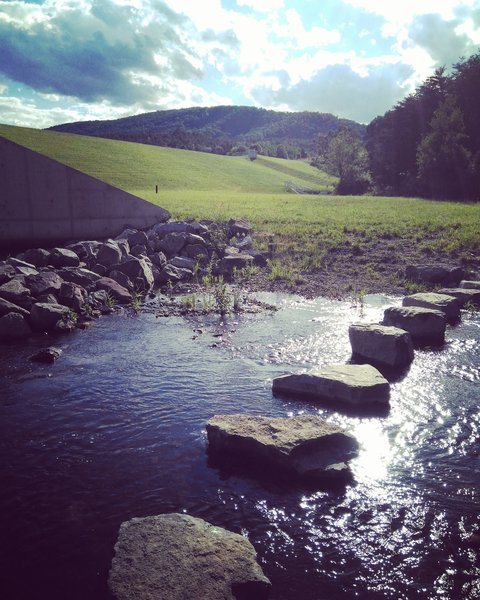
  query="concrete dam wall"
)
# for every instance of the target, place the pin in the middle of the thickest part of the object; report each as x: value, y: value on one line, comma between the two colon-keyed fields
x: 44, y: 201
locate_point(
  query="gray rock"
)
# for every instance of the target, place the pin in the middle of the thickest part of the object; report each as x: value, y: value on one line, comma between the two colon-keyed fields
x: 196, y: 252
x: 449, y: 305
x: 183, y: 262
x: 117, y: 291
x: 36, y: 256
x: 238, y: 261
x: 162, y: 229
x: 423, y: 324
x: 238, y: 227
x: 231, y: 251
x: 48, y: 299
x: 138, y: 238
x: 137, y: 269
x: 13, y: 326
x: 72, y: 295
x: 16, y: 262
x: 171, y: 273
x: 139, y: 250
x: 109, y: 254
x: 197, y: 228
x: 179, y: 557
x: 172, y: 243
x: 26, y: 271
x: 44, y: 317
x: 86, y: 250
x: 434, y: 274
x: 14, y: 291
x: 45, y: 282
x: 80, y: 276
x: 304, y: 446
x: 382, y: 344
x: 260, y: 257
x: 244, y: 243
x: 122, y: 279
x: 62, y: 257
x: 158, y: 259
x: 463, y: 295
x: 470, y: 285
x: 7, y: 273
x: 355, y: 385
x: 8, y: 307
x: 100, y: 270
x: 46, y: 355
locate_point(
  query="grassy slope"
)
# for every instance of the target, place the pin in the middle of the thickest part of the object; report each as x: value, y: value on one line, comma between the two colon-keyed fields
x: 308, y: 228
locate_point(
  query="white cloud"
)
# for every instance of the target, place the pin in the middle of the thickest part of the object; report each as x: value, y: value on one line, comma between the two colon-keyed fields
x: 262, y: 6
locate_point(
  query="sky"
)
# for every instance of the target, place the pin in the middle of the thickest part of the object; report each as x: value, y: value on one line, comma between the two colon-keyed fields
x: 75, y: 60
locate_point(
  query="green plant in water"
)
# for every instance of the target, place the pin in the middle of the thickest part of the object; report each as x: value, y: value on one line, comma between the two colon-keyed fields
x: 190, y: 302
x: 222, y: 295
x: 136, y: 301
x: 358, y: 299
x: 109, y: 300
x: 87, y: 310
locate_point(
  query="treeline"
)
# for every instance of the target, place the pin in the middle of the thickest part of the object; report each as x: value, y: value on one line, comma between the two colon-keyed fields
x: 429, y: 143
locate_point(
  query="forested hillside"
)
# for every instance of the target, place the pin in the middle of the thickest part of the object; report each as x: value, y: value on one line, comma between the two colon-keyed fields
x: 429, y: 143
x: 221, y: 129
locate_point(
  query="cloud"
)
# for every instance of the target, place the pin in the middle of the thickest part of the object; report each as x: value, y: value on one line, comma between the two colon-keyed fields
x: 338, y: 89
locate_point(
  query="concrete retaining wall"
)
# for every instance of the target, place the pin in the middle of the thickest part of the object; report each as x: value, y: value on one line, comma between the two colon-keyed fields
x: 42, y: 200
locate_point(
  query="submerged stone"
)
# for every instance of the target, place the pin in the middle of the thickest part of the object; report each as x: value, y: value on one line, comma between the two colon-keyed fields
x: 180, y: 557
x: 14, y: 326
x: 355, y: 385
x: 305, y: 446
x: 449, y: 305
x: 44, y: 317
x: 382, y: 344
x: 423, y: 324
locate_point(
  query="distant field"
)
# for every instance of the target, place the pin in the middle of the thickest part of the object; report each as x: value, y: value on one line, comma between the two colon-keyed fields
x: 307, y: 228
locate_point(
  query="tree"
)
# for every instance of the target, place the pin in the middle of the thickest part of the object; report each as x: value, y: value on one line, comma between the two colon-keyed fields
x: 443, y: 158
x: 281, y: 151
x: 347, y: 158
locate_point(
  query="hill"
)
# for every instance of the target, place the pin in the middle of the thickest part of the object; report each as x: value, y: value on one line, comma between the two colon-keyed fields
x: 220, y: 129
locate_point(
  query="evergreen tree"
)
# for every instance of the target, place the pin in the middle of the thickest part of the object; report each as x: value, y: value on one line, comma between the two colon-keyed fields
x: 347, y: 158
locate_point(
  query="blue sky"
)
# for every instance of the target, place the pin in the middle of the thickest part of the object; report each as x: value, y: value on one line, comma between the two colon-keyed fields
x: 67, y: 60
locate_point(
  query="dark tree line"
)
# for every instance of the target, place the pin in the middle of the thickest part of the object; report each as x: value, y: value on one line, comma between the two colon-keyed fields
x: 429, y: 143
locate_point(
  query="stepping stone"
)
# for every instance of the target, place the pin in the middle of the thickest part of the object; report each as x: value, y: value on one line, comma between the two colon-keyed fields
x: 472, y: 285
x: 463, y: 295
x: 423, y: 324
x: 355, y: 385
x: 449, y: 305
x: 304, y: 446
x: 382, y: 344
x: 180, y: 557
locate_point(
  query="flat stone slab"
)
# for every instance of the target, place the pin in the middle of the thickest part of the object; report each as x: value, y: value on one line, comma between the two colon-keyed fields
x: 423, y: 324
x: 382, y: 344
x: 449, y: 305
x: 179, y: 557
x: 470, y: 285
x: 355, y: 385
x: 305, y: 446
x: 463, y: 295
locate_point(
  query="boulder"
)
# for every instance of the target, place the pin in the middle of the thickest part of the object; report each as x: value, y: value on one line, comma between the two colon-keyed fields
x: 354, y: 385
x: 423, y: 324
x: 100, y: 270
x: 434, y: 274
x: 449, y: 305
x: 7, y: 273
x: 304, y: 446
x: 183, y: 262
x: 80, y: 276
x: 47, y: 299
x: 382, y: 344
x: 158, y: 259
x: 86, y: 250
x: 196, y: 252
x: 139, y: 250
x: 238, y: 227
x: 171, y: 273
x: 197, y: 228
x: 14, y: 291
x: 137, y: 238
x: 122, y: 279
x: 25, y: 271
x: 172, y: 243
x: 463, y: 295
x: 46, y: 355
x: 16, y: 263
x: 109, y: 254
x: 44, y: 317
x: 163, y: 229
x: 36, y: 256
x: 180, y: 557
x: 138, y: 271
x: 237, y: 261
x: 470, y: 285
x: 46, y: 282
x: 72, y: 295
x: 62, y: 257
x: 8, y: 307
x: 14, y: 326
x: 117, y: 291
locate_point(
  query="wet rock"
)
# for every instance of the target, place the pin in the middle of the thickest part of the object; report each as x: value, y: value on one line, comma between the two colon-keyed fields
x: 179, y: 557
x: 183, y: 262
x: 36, y: 256
x: 46, y: 282
x: 46, y: 355
x: 425, y: 325
x: 122, y: 279
x: 14, y: 326
x: 73, y: 295
x: 238, y: 261
x: 44, y: 317
x: 8, y: 307
x: 304, y: 446
x: 117, y: 291
x: 138, y: 270
x: 7, y: 273
x: 83, y: 277
x: 355, y: 385
x: 158, y: 259
x: 435, y: 274
x: 62, y: 257
x: 382, y: 344
x: 470, y: 285
x: 172, y: 243
x: 109, y: 254
x: 463, y: 295
x: 449, y: 305
x: 14, y: 291
x: 238, y: 227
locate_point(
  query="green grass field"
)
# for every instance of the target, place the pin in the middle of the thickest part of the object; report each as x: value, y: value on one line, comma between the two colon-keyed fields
x: 195, y: 184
